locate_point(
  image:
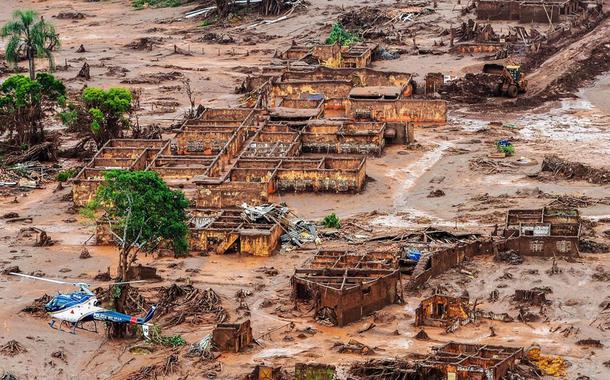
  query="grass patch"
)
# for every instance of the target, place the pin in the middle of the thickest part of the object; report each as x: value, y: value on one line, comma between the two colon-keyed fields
x: 141, y: 4
x: 65, y: 175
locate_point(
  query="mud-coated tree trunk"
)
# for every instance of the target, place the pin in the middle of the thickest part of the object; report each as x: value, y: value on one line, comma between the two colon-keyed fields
x: 31, y: 57
x: 119, y: 330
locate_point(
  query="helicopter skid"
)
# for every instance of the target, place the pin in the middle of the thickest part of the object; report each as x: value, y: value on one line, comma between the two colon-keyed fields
x: 72, y: 326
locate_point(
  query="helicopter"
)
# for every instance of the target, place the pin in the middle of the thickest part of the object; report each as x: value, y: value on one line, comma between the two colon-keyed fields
x: 74, y: 309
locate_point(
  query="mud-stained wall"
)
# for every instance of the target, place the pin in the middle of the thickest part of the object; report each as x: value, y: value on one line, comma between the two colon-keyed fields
x: 260, y: 242
x: 204, y: 142
x: 436, y: 263
x: 233, y: 337
x: 83, y: 191
x: 544, y: 246
x: 325, y: 53
x: 358, y: 77
x: 418, y: 112
x: 356, y: 303
x: 498, y: 10
x: 321, y: 180
x: 539, y: 13
x: 231, y: 194
x: 329, y: 89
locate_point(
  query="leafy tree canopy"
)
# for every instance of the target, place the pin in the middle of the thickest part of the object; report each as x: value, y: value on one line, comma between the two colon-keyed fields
x: 107, y: 109
x: 143, y: 210
x: 29, y: 36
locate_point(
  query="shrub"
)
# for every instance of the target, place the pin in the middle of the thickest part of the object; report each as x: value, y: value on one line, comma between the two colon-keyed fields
x: 65, y: 175
x: 331, y: 221
x: 341, y: 36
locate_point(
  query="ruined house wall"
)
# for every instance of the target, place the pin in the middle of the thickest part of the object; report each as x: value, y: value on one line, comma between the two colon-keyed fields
x: 353, y: 304
x: 330, y: 89
x: 436, y: 263
x: 230, y: 194
x: 498, y: 10
x: 207, y: 239
x: 544, y: 246
x: 103, y: 234
x: 330, y: 179
x: 356, y: 60
x: 83, y: 191
x: 260, y: 242
x: 233, y: 337
x: 419, y: 112
x: 325, y: 53
x: 539, y: 13
x: 201, y: 142
x: 226, y: 114
x: 358, y: 76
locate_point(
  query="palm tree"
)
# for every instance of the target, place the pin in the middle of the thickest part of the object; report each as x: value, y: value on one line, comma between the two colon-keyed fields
x: 34, y: 38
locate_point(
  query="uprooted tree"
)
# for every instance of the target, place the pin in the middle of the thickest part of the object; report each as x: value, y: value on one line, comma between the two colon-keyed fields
x: 142, y: 213
x: 29, y: 38
x: 21, y: 106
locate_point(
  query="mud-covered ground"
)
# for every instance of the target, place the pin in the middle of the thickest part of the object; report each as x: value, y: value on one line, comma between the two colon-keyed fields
x: 453, y: 158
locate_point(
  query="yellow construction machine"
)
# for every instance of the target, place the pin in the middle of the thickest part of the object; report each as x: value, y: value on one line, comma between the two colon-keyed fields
x: 512, y: 82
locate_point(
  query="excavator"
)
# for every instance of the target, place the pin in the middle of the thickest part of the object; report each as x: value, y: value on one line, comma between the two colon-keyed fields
x: 513, y: 81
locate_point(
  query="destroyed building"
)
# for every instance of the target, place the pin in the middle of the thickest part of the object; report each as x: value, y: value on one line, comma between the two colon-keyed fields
x: 543, y: 232
x: 354, y: 56
x: 461, y: 361
x: 232, y: 337
x: 443, y: 311
x: 346, y: 286
x: 309, y: 130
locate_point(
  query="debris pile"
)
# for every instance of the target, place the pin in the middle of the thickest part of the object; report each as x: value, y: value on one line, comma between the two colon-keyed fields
x: 12, y: 348
x: 472, y: 88
x: 353, y: 347
x: 575, y: 170
x: 145, y: 43
x: 383, y: 369
x: 37, y: 307
x: 185, y: 303
x: 510, y: 256
x: 297, y: 231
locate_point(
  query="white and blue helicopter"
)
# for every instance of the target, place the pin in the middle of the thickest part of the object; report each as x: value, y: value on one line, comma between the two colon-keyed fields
x: 77, y: 308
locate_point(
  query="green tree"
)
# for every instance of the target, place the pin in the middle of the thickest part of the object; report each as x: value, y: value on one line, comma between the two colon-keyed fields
x: 30, y: 37
x: 142, y: 211
x: 108, y: 112
x: 21, y: 111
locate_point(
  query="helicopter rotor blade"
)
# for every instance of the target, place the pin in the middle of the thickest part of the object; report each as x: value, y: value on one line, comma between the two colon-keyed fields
x: 43, y: 279
x: 123, y: 282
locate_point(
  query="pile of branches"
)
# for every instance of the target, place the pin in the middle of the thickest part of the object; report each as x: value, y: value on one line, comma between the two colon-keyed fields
x: 12, y: 348
x: 135, y: 303
x: 575, y: 170
x: 36, y: 309
x: 491, y: 166
x: 164, y: 369
x: 185, y: 303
